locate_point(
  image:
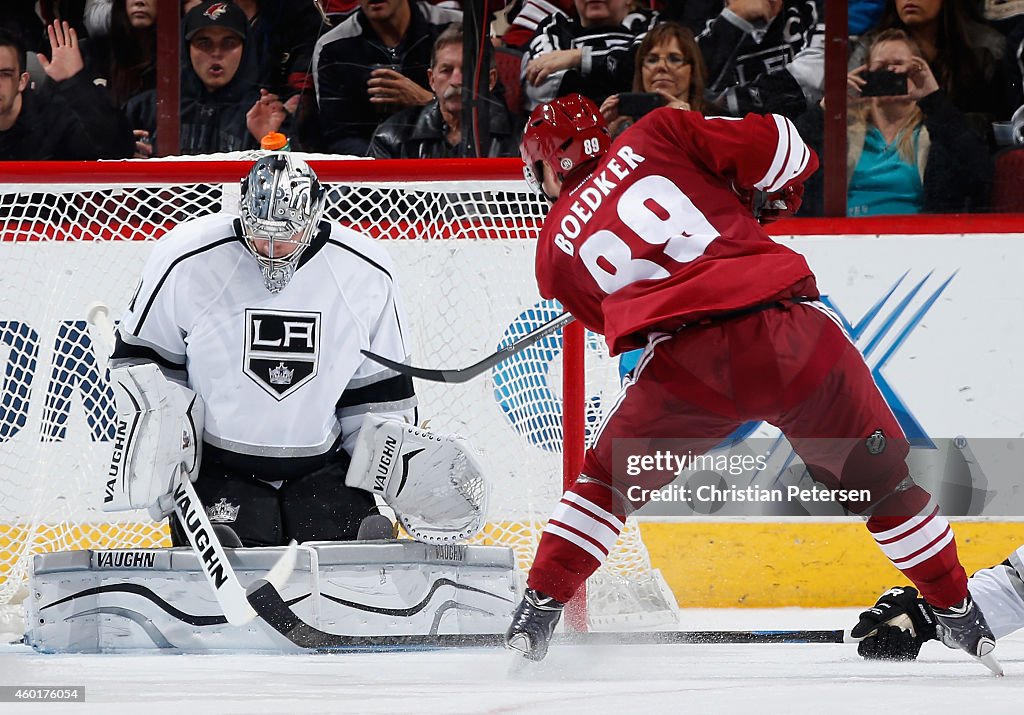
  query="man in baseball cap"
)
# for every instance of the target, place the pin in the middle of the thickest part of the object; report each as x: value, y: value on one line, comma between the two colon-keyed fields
x: 216, y: 33
x: 224, y: 15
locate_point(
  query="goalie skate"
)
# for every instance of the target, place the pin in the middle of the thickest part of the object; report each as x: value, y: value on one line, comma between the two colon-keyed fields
x: 963, y: 626
x: 533, y: 624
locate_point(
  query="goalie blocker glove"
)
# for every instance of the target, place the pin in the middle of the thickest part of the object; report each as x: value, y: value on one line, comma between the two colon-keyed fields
x: 159, y: 433
x: 434, y: 482
x: 896, y: 626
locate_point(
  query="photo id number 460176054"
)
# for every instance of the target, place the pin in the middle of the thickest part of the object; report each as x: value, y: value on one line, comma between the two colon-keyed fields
x: 41, y: 694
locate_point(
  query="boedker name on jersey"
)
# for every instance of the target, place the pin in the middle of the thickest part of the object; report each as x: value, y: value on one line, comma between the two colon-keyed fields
x: 629, y: 252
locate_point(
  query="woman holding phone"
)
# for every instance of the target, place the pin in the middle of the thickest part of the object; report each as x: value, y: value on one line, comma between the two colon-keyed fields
x: 669, y: 71
x: 909, y: 150
x: 963, y: 52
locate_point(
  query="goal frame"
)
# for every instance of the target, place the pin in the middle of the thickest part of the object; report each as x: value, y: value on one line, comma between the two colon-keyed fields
x: 345, y: 171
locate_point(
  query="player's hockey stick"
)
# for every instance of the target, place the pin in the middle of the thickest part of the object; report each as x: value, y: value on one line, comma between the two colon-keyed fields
x: 468, y: 373
x: 196, y: 524
x: 267, y: 601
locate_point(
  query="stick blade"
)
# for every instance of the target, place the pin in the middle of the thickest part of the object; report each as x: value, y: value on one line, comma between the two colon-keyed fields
x: 240, y: 615
x: 265, y: 600
x: 278, y: 614
x: 282, y: 570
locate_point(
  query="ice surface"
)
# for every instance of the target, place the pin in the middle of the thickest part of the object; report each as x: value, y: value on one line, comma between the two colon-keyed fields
x: 719, y: 679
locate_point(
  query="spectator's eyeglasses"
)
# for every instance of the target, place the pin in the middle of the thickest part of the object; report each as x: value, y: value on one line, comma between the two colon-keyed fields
x: 207, y: 46
x: 672, y: 59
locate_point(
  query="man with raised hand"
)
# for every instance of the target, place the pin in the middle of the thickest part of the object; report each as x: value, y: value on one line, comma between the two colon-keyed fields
x: 69, y: 118
x: 591, y: 54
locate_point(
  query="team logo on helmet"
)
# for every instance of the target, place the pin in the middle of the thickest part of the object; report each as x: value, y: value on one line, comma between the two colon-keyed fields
x: 567, y: 133
x: 216, y: 10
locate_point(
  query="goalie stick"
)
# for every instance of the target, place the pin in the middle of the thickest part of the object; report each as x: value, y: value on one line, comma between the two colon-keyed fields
x: 468, y: 373
x: 196, y: 524
x: 267, y: 601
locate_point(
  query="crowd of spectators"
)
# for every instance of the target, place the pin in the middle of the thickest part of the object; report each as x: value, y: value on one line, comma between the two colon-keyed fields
x: 384, y: 78
x: 434, y: 131
x: 669, y: 69
x: 908, y: 153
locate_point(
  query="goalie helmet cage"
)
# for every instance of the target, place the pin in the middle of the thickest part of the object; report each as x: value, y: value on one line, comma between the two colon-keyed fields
x: 461, y: 234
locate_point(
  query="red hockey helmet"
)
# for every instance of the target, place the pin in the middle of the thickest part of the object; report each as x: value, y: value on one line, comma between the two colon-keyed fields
x: 568, y: 133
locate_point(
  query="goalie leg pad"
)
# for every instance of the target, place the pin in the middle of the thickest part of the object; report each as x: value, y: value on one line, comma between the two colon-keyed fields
x: 348, y: 588
x: 159, y: 433
x: 434, y: 482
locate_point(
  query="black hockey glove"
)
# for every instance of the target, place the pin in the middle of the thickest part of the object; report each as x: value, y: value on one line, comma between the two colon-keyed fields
x: 896, y: 626
x: 770, y: 207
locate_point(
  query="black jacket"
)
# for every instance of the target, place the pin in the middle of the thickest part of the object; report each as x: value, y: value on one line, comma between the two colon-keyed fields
x: 958, y: 174
x: 746, y: 63
x: 419, y: 133
x: 71, y: 120
x: 284, y: 33
x: 343, y: 60
x: 211, y: 122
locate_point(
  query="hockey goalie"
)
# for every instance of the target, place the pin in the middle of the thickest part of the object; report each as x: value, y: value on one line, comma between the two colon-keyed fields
x: 237, y: 367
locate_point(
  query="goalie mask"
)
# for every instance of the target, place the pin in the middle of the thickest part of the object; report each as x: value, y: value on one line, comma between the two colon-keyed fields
x: 281, y: 205
x: 568, y: 133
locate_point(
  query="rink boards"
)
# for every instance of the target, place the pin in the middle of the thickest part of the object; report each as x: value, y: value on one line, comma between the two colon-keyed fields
x: 938, y: 318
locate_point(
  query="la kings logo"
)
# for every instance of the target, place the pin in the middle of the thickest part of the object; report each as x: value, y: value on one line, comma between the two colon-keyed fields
x: 282, y: 349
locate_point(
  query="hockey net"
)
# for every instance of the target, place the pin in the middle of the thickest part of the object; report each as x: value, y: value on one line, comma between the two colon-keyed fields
x: 461, y: 234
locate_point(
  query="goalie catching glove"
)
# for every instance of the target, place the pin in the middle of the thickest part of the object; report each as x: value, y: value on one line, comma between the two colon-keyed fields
x: 896, y: 626
x: 434, y: 482
x: 159, y: 433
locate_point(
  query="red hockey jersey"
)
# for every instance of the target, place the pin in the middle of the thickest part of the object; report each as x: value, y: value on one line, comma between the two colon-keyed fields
x: 656, y: 236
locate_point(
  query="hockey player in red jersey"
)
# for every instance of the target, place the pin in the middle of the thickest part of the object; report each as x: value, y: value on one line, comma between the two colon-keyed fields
x: 652, y: 242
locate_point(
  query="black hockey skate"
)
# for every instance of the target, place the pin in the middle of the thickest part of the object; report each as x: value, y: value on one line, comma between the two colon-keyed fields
x: 963, y: 626
x: 533, y: 623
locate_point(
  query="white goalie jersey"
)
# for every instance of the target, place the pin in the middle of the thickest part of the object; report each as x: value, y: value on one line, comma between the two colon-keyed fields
x: 281, y: 374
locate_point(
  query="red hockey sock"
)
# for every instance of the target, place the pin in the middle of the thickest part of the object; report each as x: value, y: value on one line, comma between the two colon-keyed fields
x: 580, y: 533
x: 921, y: 545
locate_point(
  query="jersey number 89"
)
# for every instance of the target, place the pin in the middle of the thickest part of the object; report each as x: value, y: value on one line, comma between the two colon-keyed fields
x: 660, y: 214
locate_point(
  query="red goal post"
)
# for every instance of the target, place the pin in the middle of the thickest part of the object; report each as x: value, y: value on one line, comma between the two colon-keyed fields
x: 461, y: 234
